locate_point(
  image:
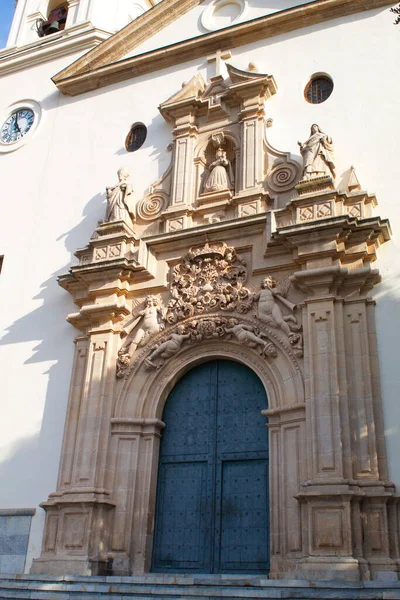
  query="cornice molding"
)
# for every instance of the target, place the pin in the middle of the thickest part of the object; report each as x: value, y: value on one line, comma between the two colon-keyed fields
x: 131, y: 36
x: 98, y: 68
x: 79, y: 38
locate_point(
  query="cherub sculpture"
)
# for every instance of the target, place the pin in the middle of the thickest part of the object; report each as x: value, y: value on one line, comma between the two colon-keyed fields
x: 149, y: 321
x: 168, y: 348
x: 247, y: 337
x: 269, y: 310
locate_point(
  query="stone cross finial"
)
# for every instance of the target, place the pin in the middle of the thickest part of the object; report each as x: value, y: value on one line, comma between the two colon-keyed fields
x: 218, y: 57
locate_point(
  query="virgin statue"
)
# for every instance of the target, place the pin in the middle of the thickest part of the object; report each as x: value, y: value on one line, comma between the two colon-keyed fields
x: 318, y: 155
x: 118, y: 198
x: 221, y: 175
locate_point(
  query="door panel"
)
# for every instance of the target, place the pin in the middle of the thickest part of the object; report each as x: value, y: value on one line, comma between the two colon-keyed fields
x: 243, y: 516
x: 182, y: 539
x: 212, y: 498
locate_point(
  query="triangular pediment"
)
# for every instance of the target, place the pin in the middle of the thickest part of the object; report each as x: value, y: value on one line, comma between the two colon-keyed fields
x: 124, y: 55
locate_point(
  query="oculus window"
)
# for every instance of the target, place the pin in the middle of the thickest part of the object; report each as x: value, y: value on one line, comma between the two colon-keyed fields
x: 136, y: 137
x: 318, y: 89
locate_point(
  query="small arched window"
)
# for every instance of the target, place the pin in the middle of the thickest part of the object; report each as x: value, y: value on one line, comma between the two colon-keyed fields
x: 318, y: 89
x: 136, y: 137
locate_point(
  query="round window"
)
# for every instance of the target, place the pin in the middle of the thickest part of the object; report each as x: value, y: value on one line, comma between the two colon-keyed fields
x: 318, y: 89
x: 136, y: 137
x: 222, y: 13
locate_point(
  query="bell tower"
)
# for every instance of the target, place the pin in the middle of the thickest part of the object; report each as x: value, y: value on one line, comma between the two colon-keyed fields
x: 36, y: 20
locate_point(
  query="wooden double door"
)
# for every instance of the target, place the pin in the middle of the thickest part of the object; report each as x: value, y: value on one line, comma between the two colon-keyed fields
x: 212, y: 500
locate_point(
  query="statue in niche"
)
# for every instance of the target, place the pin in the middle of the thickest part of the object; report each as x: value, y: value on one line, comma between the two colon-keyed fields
x: 269, y: 311
x: 118, y: 198
x: 221, y: 173
x: 168, y: 348
x: 150, y: 321
x: 318, y: 155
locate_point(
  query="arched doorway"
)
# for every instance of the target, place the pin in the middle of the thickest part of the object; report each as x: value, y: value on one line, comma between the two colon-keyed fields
x: 212, y: 511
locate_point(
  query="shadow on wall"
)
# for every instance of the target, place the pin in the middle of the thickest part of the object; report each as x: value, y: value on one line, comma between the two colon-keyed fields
x: 33, y: 460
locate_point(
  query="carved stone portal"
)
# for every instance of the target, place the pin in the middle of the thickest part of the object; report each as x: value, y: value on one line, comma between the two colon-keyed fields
x: 285, y: 292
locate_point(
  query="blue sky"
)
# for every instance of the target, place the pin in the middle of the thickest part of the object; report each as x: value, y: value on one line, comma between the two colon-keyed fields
x: 6, y: 15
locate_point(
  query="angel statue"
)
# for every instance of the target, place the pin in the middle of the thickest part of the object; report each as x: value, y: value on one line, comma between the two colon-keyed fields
x: 221, y: 174
x: 269, y: 310
x: 318, y: 155
x: 168, y: 348
x: 246, y: 336
x: 148, y: 322
x: 118, y: 199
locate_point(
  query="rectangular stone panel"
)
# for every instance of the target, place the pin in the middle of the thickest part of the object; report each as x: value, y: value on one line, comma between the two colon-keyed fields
x: 14, y: 536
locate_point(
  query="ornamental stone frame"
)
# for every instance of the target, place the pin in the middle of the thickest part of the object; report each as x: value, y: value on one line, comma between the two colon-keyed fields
x: 284, y: 291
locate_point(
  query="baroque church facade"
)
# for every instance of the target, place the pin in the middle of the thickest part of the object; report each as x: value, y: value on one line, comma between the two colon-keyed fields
x: 200, y: 331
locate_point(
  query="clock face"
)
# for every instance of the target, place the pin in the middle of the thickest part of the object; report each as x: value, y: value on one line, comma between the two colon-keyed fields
x: 17, y: 125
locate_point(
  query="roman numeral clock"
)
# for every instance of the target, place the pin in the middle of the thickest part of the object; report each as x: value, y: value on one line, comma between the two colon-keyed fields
x: 18, y: 125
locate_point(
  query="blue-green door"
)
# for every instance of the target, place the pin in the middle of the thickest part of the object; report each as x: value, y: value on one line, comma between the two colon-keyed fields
x: 212, y: 500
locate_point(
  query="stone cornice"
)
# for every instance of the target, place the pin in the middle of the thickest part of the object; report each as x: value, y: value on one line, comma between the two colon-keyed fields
x: 79, y: 38
x: 131, y: 36
x: 99, y: 67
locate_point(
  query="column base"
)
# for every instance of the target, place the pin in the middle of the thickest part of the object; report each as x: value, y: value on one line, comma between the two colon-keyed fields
x: 61, y: 565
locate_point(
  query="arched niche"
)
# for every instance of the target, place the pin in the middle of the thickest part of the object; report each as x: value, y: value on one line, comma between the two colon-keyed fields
x: 205, y: 154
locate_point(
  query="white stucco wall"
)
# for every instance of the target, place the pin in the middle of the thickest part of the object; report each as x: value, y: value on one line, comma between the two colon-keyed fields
x: 53, y: 196
x: 191, y: 25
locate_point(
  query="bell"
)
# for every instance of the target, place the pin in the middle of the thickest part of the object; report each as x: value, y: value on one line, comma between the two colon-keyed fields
x: 54, y: 27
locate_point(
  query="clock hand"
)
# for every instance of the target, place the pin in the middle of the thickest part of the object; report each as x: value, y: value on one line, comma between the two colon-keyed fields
x: 16, y: 123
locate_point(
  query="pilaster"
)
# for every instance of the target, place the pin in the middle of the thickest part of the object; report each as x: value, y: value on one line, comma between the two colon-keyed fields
x: 80, y: 514
x: 345, y: 496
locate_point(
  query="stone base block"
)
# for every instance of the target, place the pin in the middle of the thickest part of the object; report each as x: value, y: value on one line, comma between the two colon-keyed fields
x: 62, y: 566
x: 329, y: 568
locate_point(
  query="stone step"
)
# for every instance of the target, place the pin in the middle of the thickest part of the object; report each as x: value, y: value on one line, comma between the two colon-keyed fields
x: 189, y: 587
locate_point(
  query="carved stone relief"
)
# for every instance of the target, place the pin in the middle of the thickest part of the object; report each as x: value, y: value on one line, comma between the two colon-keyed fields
x: 208, y: 328
x: 145, y: 324
x: 209, y: 279
x: 269, y: 300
